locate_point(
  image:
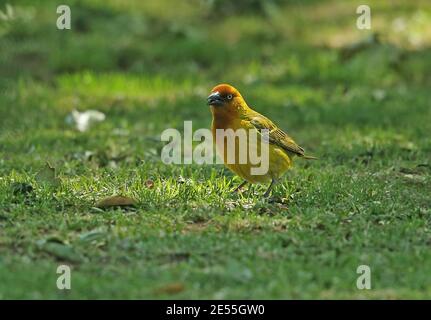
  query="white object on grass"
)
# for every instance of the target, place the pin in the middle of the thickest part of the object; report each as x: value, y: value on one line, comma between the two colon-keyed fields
x: 83, y: 120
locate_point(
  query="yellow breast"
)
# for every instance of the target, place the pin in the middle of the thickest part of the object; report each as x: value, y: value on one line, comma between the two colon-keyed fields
x: 243, y: 159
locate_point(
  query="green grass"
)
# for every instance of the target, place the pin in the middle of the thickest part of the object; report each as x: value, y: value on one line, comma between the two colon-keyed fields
x: 149, y: 66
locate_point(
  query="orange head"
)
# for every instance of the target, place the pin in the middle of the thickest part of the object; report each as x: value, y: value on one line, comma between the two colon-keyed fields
x: 225, y: 98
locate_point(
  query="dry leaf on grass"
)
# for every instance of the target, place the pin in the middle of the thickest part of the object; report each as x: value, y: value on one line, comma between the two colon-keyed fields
x: 116, y: 201
x: 171, y: 288
x: 48, y: 176
x: 149, y: 184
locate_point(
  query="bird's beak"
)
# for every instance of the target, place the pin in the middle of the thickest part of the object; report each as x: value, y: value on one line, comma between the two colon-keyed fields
x: 215, y: 99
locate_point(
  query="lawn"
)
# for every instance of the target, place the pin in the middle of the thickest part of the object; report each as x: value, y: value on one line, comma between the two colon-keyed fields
x: 361, y: 105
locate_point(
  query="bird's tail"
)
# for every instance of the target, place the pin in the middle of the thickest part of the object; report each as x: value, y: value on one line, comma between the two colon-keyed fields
x: 309, y: 157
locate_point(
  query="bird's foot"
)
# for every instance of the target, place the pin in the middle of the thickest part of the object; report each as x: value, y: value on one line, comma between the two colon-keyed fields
x: 239, y: 188
x: 268, y: 191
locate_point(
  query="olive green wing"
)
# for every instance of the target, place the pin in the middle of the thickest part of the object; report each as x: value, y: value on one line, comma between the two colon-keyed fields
x: 276, y: 136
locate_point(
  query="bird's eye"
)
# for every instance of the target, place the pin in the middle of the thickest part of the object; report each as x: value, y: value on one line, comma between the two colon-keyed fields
x: 229, y: 96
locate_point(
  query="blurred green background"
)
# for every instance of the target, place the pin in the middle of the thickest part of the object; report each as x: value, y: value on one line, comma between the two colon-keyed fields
x: 358, y: 99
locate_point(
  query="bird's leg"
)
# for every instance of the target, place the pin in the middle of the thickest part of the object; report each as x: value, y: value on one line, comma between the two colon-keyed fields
x: 268, y: 191
x: 250, y: 191
x: 237, y: 189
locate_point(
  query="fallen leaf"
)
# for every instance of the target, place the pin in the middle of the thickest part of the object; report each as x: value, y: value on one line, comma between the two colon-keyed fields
x: 149, y: 184
x: 116, y: 201
x: 48, y: 176
x: 172, y: 288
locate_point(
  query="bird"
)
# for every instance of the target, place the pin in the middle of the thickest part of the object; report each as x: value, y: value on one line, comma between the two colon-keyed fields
x: 230, y: 111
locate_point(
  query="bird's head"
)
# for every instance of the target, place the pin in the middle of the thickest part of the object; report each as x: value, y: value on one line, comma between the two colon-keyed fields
x: 225, y: 98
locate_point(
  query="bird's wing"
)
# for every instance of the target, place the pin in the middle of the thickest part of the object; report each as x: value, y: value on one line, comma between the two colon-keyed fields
x: 276, y: 136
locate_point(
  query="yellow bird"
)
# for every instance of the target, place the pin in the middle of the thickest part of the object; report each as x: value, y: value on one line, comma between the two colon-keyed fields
x: 230, y: 111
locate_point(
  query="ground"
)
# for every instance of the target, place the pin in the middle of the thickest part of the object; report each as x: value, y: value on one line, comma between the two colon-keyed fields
x: 359, y: 100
